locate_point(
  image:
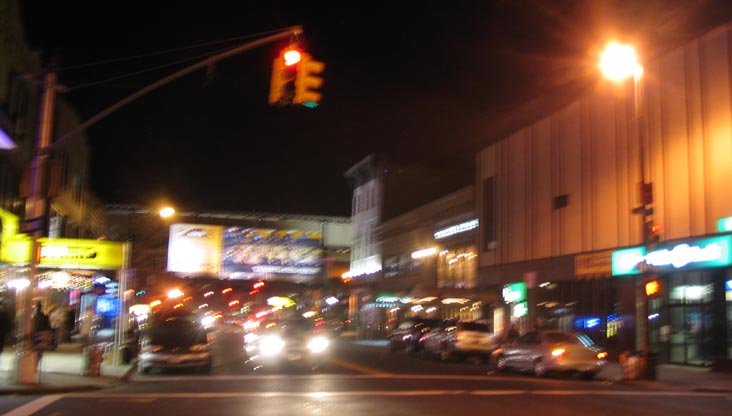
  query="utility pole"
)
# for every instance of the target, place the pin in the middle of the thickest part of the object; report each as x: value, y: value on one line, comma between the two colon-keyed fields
x: 34, y: 224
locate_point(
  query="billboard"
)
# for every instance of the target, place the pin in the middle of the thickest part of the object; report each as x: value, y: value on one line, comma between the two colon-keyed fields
x: 261, y: 251
x: 243, y: 252
x: 194, y: 248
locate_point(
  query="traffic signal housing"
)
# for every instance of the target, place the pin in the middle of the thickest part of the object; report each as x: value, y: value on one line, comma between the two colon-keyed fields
x: 284, y: 74
x: 652, y: 232
x: 308, y: 82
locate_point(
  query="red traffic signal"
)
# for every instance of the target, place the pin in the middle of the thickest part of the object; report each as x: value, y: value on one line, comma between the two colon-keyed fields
x: 652, y: 232
x: 291, y: 57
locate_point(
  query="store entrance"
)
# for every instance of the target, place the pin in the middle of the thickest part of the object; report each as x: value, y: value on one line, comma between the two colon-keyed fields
x: 691, y: 313
x: 691, y: 337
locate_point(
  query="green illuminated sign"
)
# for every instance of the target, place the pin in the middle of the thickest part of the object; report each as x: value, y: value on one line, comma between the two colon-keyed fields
x: 520, y: 309
x: 724, y: 225
x: 706, y: 252
x: 514, y: 293
x: 626, y: 261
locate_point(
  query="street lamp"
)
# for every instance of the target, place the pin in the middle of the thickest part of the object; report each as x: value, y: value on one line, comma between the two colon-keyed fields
x: 166, y: 212
x: 619, y: 62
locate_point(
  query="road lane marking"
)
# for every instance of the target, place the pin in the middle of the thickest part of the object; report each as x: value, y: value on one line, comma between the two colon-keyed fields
x: 34, y: 406
x: 359, y: 368
x: 375, y: 374
x: 376, y: 393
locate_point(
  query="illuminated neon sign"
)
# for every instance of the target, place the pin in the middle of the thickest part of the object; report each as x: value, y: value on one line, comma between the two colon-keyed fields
x: 456, y: 229
x: 708, y: 252
x: 515, y: 292
x: 724, y: 224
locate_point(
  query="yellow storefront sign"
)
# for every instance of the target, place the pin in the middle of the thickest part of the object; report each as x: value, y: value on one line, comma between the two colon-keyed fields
x: 14, y: 247
x: 594, y: 264
x: 79, y: 254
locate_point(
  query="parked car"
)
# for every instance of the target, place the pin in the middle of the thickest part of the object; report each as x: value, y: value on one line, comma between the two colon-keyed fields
x: 174, y: 340
x: 459, y: 340
x: 547, y: 351
x: 407, y: 334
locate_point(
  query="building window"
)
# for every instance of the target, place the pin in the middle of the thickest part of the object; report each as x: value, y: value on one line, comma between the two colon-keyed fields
x: 488, y: 222
x: 561, y: 201
x: 457, y: 268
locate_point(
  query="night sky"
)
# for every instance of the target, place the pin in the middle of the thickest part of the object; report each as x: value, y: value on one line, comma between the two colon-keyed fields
x: 422, y: 82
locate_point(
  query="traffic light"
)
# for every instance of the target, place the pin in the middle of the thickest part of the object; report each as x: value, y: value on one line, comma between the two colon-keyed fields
x: 653, y: 288
x: 652, y: 232
x: 307, y: 82
x: 284, y: 73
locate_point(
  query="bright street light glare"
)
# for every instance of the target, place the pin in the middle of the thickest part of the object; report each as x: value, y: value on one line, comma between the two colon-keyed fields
x: 167, y: 212
x: 619, y: 61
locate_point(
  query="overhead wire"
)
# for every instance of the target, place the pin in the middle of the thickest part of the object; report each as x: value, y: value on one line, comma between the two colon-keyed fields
x: 142, y: 71
x: 157, y: 53
x: 162, y: 52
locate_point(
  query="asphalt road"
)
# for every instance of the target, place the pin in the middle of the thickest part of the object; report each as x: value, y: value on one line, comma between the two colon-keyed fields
x: 359, y: 380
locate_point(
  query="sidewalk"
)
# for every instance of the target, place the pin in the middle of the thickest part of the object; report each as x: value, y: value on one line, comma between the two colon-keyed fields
x: 667, y: 375
x: 61, y: 371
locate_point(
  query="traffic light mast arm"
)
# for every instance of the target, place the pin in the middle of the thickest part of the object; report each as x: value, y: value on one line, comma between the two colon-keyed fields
x: 292, y: 31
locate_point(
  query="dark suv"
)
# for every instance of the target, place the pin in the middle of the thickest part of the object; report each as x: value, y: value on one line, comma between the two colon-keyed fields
x: 407, y: 334
x: 174, y: 340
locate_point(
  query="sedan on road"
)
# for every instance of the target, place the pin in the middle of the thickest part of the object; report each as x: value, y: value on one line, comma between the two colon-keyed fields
x: 458, y: 340
x: 547, y: 351
x: 407, y: 334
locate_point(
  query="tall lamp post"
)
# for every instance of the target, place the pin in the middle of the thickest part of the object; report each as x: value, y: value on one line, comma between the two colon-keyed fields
x: 619, y: 62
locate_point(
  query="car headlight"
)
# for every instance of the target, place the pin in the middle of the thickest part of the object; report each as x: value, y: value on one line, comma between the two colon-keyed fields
x: 199, y: 347
x: 271, y: 345
x: 318, y: 344
x: 251, y: 338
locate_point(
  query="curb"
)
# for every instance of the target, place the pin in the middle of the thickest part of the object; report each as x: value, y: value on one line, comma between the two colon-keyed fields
x: 711, y: 390
x: 133, y: 369
x: 31, y: 390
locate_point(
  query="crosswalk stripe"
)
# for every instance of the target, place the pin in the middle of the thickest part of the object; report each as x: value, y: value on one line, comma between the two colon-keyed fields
x: 34, y: 406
